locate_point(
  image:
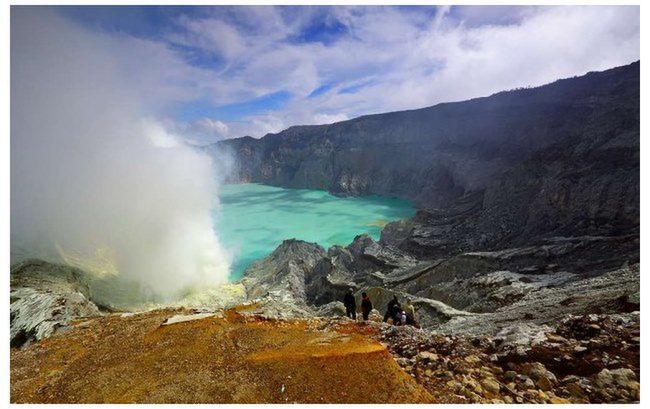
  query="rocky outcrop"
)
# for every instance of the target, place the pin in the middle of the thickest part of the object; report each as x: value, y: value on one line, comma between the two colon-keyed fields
x: 590, y: 358
x: 484, y: 278
x: 478, y: 292
x: 329, y: 280
x: 488, y: 292
x: 613, y: 292
x: 283, y: 272
x: 45, y: 298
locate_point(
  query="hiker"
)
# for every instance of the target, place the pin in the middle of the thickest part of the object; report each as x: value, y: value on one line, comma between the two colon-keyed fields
x: 392, y: 308
x: 400, y: 318
x: 366, y: 306
x: 350, y: 305
x: 410, y: 317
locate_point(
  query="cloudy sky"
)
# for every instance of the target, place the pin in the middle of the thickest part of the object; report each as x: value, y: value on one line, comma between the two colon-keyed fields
x: 222, y: 72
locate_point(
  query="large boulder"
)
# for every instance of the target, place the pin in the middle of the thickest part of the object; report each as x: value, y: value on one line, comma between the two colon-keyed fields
x: 283, y: 271
x: 371, y: 255
x: 328, y: 281
x: 44, y: 298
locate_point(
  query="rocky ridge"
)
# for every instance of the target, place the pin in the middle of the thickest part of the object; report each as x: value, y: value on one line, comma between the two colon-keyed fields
x: 560, y: 160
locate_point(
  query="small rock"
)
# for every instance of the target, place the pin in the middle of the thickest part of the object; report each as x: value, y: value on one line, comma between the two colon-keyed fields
x: 575, y: 390
x: 427, y: 356
x: 554, y: 338
x: 622, y: 377
x: 544, y: 383
x: 472, y: 359
x: 557, y: 400
x: 491, y: 385
x: 536, y: 370
x: 529, y: 384
x: 510, y: 375
x: 570, y: 379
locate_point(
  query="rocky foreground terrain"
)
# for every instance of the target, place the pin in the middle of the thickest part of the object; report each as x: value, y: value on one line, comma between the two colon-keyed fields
x: 561, y: 341
x: 522, y: 267
x: 237, y: 355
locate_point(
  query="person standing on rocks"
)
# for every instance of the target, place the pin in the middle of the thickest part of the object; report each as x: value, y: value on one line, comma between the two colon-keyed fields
x: 350, y: 305
x: 391, y: 308
x: 366, y: 306
x: 410, y: 317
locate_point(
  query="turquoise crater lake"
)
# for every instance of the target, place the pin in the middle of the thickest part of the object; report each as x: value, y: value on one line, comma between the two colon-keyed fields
x: 254, y: 219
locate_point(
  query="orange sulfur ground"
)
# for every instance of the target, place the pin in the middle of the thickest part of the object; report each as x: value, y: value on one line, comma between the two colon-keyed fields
x: 220, y: 359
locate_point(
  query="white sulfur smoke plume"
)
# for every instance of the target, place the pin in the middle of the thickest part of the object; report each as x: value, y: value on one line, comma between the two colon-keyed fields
x: 95, y: 183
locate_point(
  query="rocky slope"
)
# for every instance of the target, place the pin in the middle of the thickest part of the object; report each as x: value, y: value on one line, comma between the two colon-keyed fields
x: 581, y: 359
x: 561, y: 159
x: 183, y: 356
x: 495, y: 287
x: 553, y: 337
x: 173, y: 356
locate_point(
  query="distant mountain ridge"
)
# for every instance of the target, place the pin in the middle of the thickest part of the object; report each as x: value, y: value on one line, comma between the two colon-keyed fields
x: 562, y: 157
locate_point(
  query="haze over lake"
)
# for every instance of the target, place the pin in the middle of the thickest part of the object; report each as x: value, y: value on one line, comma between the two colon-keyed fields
x: 254, y: 219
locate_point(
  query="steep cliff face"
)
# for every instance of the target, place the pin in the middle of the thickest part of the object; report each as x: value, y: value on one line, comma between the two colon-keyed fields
x: 561, y: 158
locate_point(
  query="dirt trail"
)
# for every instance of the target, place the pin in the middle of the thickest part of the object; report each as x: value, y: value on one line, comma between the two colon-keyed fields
x: 220, y: 359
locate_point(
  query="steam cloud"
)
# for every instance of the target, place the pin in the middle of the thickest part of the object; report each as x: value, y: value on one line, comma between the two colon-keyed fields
x: 94, y: 182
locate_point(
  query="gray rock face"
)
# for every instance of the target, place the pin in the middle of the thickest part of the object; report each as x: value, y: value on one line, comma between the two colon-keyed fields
x: 378, y: 256
x: 488, y: 292
x: 329, y: 280
x: 283, y: 272
x: 606, y: 293
x: 558, y: 160
x: 44, y: 298
x: 482, y: 292
x: 333, y: 309
x: 478, y: 280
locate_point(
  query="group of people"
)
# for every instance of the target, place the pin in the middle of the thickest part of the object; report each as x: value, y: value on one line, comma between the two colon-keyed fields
x: 394, y: 309
x: 350, y: 303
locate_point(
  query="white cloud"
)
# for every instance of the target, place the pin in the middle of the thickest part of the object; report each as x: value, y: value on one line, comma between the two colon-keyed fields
x: 329, y: 119
x: 200, y: 131
x: 448, y: 62
x: 386, y: 58
x: 210, y: 126
x: 263, y: 124
x: 212, y: 34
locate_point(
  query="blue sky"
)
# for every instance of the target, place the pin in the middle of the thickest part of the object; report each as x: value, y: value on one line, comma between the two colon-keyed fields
x: 221, y: 72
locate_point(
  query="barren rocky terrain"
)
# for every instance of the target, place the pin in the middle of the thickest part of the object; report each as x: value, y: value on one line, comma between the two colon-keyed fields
x: 225, y: 357
x: 238, y: 356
